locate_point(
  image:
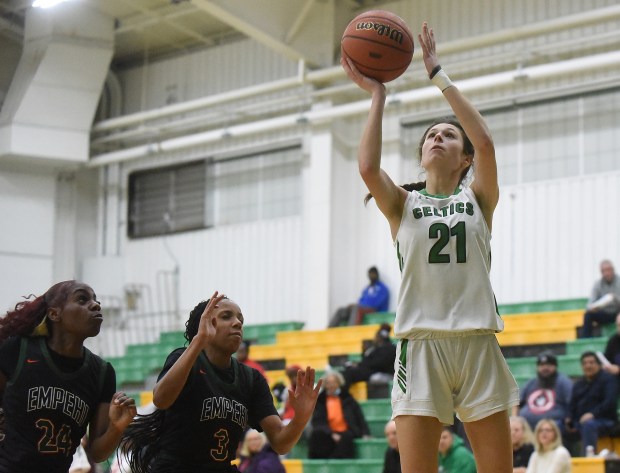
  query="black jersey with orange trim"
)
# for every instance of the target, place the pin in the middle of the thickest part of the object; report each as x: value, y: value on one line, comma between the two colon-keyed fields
x: 47, y: 409
x: 203, y: 427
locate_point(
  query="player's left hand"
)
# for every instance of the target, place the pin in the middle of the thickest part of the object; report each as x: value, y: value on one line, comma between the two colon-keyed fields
x: 122, y: 410
x: 303, y: 399
x: 429, y: 53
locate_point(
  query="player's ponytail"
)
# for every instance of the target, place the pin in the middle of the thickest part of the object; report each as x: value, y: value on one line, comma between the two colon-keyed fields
x: 28, y: 316
x: 418, y: 186
x: 140, y: 441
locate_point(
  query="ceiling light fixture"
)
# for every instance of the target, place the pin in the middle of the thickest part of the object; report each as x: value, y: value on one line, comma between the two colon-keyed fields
x: 46, y: 3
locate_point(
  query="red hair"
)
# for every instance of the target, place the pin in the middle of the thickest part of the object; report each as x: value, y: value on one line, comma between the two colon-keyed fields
x: 27, y: 314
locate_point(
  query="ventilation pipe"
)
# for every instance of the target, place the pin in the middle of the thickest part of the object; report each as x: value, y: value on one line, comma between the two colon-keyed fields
x: 534, y: 73
x: 53, y: 96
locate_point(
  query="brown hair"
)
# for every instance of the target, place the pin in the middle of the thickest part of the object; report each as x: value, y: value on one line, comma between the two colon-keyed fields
x: 468, y: 150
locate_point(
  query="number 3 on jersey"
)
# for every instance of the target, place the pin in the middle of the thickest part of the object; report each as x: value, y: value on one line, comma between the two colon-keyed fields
x: 442, y: 233
x: 221, y: 452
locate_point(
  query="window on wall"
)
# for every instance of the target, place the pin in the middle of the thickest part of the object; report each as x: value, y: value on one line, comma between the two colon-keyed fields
x: 549, y: 139
x: 209, y: 192
x: 167, y: 200
x: 258, y: 186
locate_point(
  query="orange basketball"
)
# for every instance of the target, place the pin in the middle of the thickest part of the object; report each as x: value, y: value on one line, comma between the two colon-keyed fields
x: 379, y: 43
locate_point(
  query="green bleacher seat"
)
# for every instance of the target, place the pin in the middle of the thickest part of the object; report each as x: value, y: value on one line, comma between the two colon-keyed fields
x: 542, y: 306
x: 377, y: 408
x: 570, y: 365
x: 175, y: 339
x: 522, y: 367
x: 376, y: 424
x: 370, y: 448
x: 379, y: 318
x: 343, y: 466
x: 265, y: 334
x: 577, y: 347
x: 607, y: 330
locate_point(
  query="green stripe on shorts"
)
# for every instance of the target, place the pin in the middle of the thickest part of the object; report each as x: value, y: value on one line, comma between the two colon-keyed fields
x: 402, y: 366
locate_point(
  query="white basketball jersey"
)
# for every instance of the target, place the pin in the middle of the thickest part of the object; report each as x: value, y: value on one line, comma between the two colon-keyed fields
x: 444, y: 252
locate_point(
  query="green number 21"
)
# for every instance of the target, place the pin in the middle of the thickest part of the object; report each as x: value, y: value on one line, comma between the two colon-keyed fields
x: 442, y: 233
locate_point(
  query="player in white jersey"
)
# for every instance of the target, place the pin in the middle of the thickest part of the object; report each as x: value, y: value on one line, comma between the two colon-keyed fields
x: 448, y: 358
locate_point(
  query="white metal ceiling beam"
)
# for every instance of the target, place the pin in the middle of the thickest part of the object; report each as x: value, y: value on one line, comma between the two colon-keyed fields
x: 250, y: 30
x: 171, y: 23
x: 298, y: 21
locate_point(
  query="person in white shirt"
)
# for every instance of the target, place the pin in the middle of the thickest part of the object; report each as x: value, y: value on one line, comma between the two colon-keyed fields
x: 550, y: 456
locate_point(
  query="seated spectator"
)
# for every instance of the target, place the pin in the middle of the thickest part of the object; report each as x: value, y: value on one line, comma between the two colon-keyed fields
x: 336, y: 422
x: 257, y: 456
x: 522, y: 443
x: 549, y: 456
x: 604, y: 302
x: 375, y: 298
x: 243, y: 355
x: 593, y: 402
x: 612, y: 351
x: 377, y: 360
x: 391, y: 461
x: 454, y: 456
x: 546, y: 396
x: 281, y: 393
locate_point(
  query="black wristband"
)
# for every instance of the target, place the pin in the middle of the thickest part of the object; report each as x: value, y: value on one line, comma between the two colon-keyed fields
x: 434, y: 72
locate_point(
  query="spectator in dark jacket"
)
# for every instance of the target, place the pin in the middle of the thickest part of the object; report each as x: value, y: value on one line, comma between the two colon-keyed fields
x: 257, y: 456
x: 378, y: 359
x: 612, y: 351
x: 391, y: 460
x: 593, y: 402
x: 336, y: 422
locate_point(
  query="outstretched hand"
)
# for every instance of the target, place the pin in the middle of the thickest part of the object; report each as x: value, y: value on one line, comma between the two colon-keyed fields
x: 429, y: 53
x: 303, y: 399
x: 122, y: 410
x: 206, y: 327
x: 363, y: 81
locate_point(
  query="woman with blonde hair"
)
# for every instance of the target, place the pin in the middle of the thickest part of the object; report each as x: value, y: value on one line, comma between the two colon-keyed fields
x: 550, y: 456
x: 522, y: 443
x: 257, y: 456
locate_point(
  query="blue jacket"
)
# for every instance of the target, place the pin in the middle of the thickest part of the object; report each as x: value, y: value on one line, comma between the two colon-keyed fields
x: 376, y: 296
x: 598, y: 396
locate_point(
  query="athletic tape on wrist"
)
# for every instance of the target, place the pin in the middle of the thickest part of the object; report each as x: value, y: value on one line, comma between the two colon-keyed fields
x: 441, y: 80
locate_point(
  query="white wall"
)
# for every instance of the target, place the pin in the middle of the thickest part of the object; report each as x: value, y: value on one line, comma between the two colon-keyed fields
x: 27, y: 212
x: 549, y: 237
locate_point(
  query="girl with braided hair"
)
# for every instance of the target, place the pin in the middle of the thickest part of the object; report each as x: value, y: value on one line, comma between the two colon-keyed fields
x: 205, y: 399
x: 52, y: 388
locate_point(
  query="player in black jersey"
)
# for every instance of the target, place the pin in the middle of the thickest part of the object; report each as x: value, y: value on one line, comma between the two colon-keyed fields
x: 52, y: 388
x: 206, y: 398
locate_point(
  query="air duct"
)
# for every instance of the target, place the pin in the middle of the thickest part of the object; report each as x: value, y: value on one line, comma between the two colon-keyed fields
x: 50, y: 105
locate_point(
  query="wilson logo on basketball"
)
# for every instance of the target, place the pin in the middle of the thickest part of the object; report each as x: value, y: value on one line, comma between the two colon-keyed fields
x: 382, y: 30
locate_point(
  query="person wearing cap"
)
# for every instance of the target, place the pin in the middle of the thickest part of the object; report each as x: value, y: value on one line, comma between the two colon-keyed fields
x: 593, y: 402
x: 612, y: 351
x: 547, y: 396
x: 377, y: 360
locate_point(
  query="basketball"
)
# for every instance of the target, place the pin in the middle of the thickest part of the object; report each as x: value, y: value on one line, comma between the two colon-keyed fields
x: 379, y: 43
